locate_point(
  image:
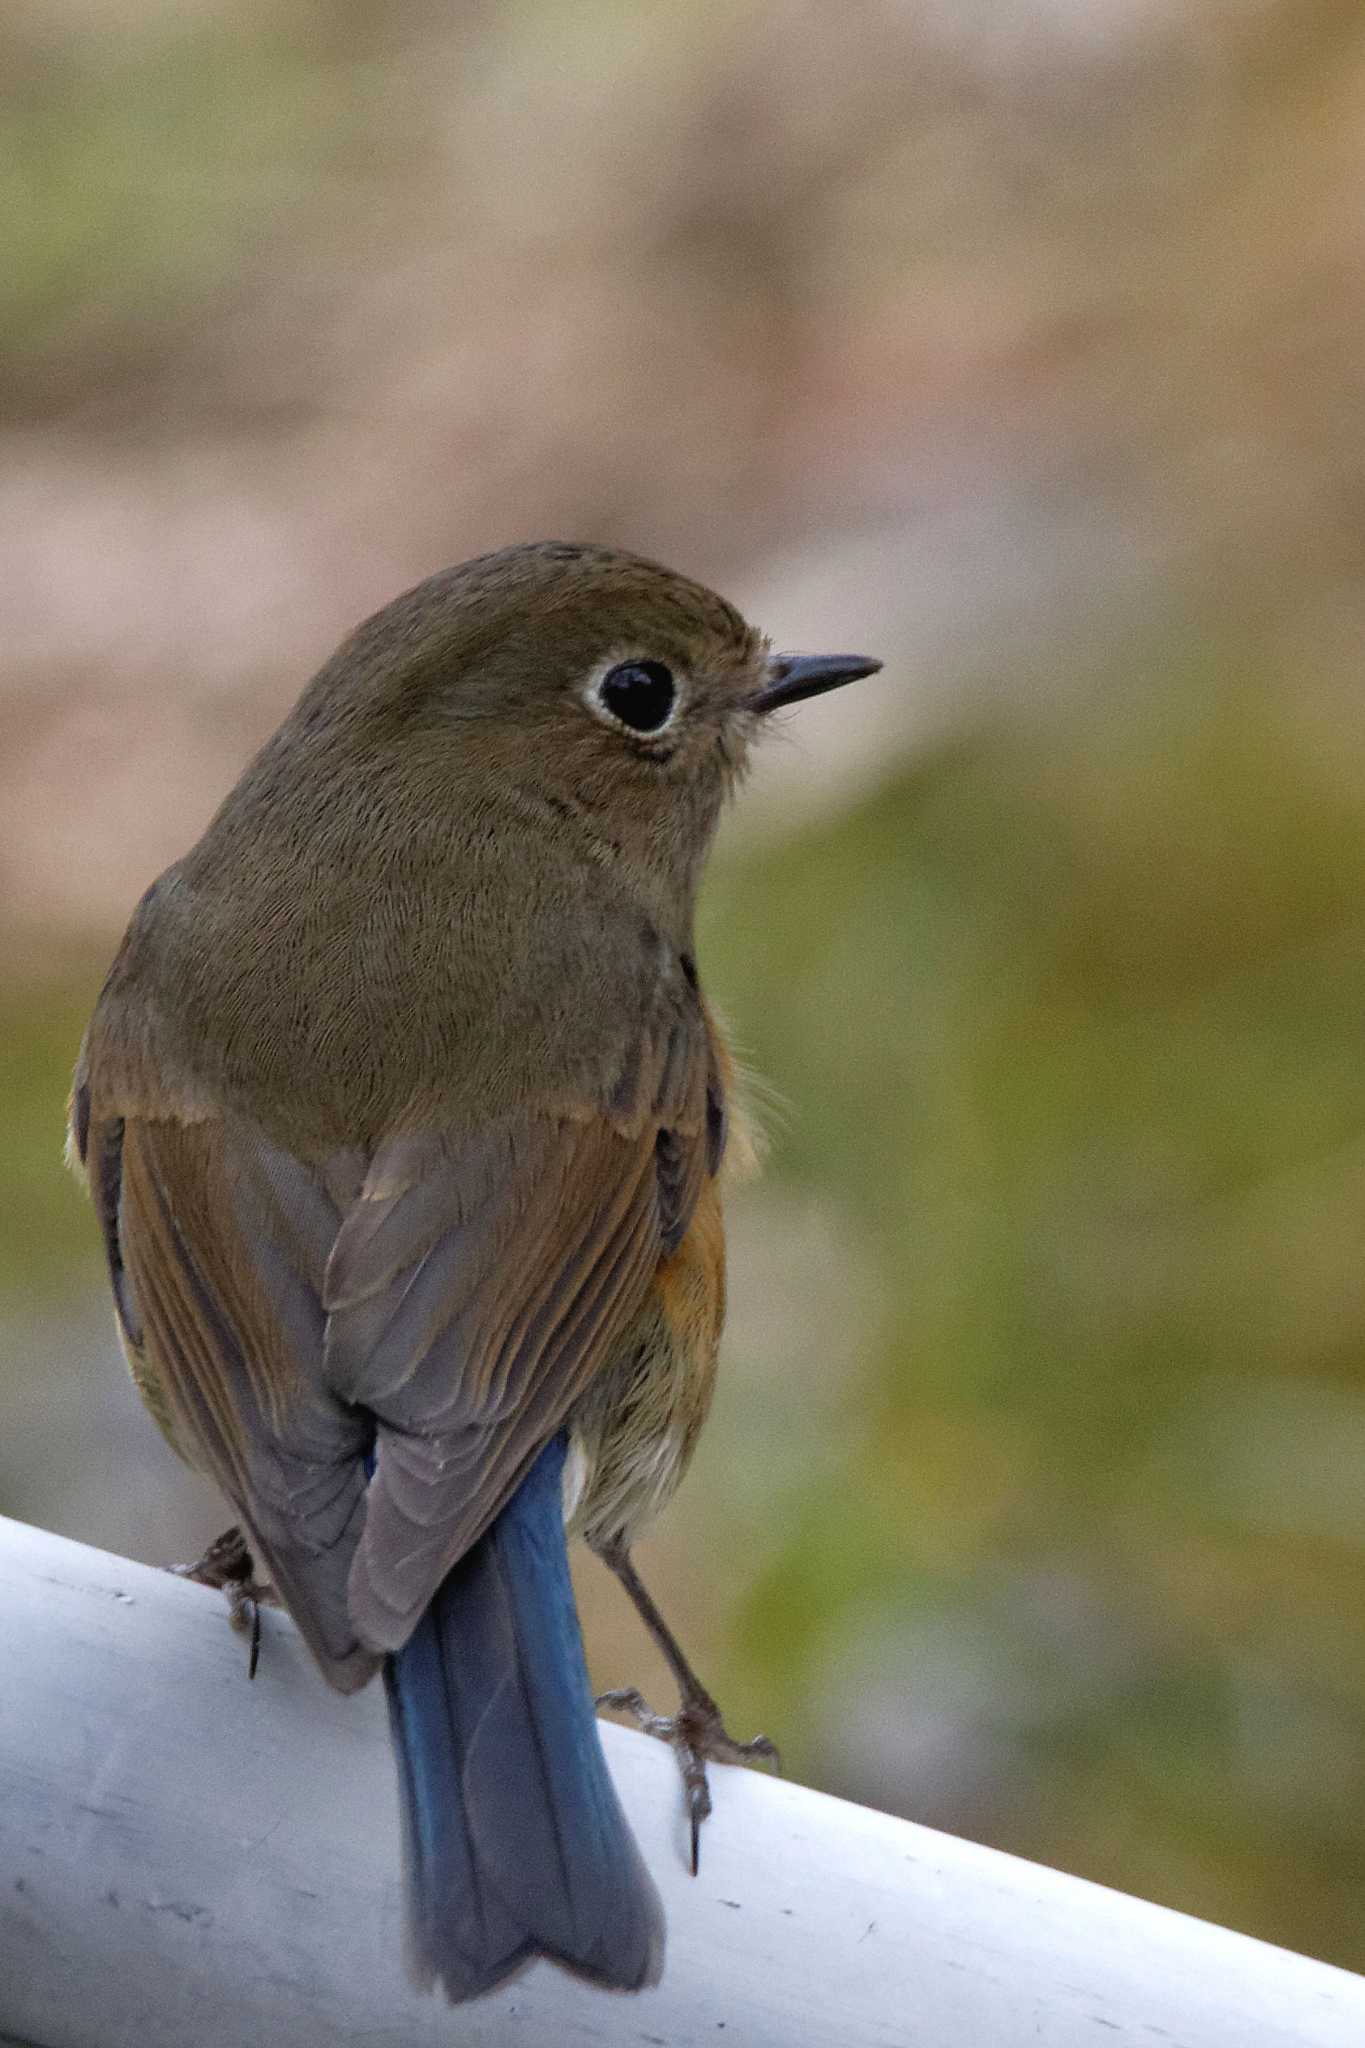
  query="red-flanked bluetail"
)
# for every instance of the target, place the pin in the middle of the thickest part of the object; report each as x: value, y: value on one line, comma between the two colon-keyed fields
x: 406, y: 1120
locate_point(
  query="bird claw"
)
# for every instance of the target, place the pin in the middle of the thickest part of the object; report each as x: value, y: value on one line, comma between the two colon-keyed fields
x: 227, y: 1567
x: 697, y: 1736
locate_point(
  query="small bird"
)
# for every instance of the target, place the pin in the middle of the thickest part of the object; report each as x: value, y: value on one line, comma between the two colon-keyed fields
x: 405, y: 1117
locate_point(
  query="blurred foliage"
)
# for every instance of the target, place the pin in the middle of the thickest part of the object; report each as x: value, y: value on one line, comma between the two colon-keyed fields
x: 135, y: 177
x: 44, y: 1236
x: 1072, y: 1015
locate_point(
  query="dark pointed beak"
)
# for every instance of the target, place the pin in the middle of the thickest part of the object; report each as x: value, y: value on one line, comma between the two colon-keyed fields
x: 794, y: 676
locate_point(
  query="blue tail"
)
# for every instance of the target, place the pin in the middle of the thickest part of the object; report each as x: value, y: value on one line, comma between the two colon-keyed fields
x: 515, y: 1841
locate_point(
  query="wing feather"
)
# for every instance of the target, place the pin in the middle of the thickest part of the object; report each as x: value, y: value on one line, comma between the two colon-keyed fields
x: 501, y: 1327
x: 233, y: 1340
x: 433, y: 1310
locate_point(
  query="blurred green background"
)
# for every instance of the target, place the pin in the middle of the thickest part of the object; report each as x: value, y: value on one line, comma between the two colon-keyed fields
x: 1019, y: 345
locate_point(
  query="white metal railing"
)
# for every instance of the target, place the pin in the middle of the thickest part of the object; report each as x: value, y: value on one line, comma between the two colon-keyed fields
x: 188, y: 1860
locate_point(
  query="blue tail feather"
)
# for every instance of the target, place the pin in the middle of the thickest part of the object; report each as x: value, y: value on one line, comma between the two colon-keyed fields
x: 515, y: 1841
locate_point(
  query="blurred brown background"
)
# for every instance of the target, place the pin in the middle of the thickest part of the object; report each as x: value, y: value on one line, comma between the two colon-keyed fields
x: 1019, y: 344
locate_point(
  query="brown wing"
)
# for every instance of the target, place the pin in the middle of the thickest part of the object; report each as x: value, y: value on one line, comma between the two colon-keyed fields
x: 443, y: 1306
x: 218, y: 1248
x: 473, y: 1292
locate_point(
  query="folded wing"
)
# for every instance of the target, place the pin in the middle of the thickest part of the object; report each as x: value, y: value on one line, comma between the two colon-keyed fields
x: 431, y: 1311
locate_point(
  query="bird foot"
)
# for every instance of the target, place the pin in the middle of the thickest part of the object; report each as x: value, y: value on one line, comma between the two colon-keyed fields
x: 227, y: 1566
x: 697, y: 1736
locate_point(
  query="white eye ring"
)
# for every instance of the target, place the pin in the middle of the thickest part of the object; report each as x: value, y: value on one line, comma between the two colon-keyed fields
x: 636, y: 694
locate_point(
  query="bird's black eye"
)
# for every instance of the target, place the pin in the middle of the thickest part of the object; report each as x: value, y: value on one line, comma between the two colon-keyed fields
x: 640, y: 693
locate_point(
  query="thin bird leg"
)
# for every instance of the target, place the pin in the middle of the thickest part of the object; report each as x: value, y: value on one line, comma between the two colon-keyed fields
x: 227, y: 1566
x: 696, y: 1732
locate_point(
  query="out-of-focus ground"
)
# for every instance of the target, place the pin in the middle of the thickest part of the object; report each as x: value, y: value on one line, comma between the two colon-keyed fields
x: 1018, y: 344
